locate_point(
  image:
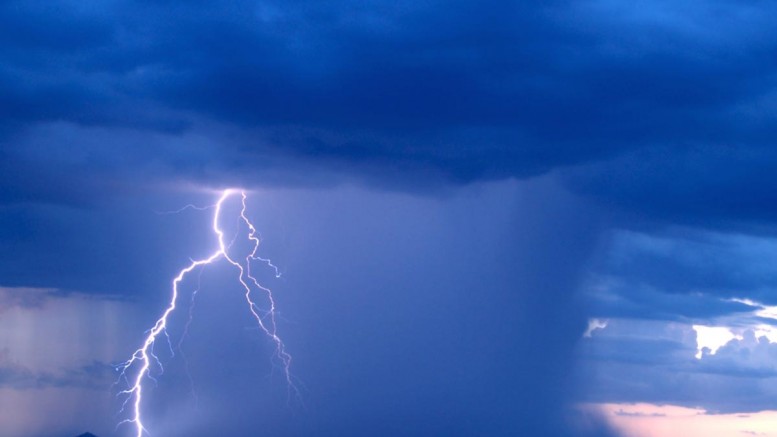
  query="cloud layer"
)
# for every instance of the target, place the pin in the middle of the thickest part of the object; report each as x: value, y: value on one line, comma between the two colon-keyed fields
x: 656, y: 111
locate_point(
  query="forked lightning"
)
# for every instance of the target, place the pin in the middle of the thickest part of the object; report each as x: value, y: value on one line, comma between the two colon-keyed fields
x: 137, y: 370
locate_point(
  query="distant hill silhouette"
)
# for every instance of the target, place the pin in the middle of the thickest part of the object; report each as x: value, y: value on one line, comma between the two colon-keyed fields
x: 87, y: 434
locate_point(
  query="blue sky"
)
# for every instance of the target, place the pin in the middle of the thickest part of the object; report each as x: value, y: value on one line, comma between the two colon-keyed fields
x: 492, y: 218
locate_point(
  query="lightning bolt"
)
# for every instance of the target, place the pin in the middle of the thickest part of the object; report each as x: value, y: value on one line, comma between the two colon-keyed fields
x: 143, y: 359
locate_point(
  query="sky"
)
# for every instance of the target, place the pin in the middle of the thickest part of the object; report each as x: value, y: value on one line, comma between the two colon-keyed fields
x: 490, y: 218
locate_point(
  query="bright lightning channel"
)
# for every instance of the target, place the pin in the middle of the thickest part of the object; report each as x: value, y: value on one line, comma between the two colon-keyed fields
x: 144, y: 356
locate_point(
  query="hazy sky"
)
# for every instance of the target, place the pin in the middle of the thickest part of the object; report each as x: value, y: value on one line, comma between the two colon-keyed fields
x: 491, y: 218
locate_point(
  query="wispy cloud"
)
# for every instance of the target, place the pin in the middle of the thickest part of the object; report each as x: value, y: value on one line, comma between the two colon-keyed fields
x: 13, y: 375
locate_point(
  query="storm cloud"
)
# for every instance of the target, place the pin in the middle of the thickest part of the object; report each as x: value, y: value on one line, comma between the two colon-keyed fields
x: 654, y: 105
x: 462, y: 185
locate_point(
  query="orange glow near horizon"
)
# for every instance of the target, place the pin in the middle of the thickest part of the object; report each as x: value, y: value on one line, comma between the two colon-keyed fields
x: 649, y: 420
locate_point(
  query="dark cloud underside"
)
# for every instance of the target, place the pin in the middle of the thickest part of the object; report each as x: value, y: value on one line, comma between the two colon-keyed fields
x: 453, y: 91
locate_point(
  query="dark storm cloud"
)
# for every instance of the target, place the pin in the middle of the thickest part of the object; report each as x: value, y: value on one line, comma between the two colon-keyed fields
x: 723, y: 184
x: 632, y: 299
x: 457, y: 91
x: 654, y: 107
x: 682, y: 274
